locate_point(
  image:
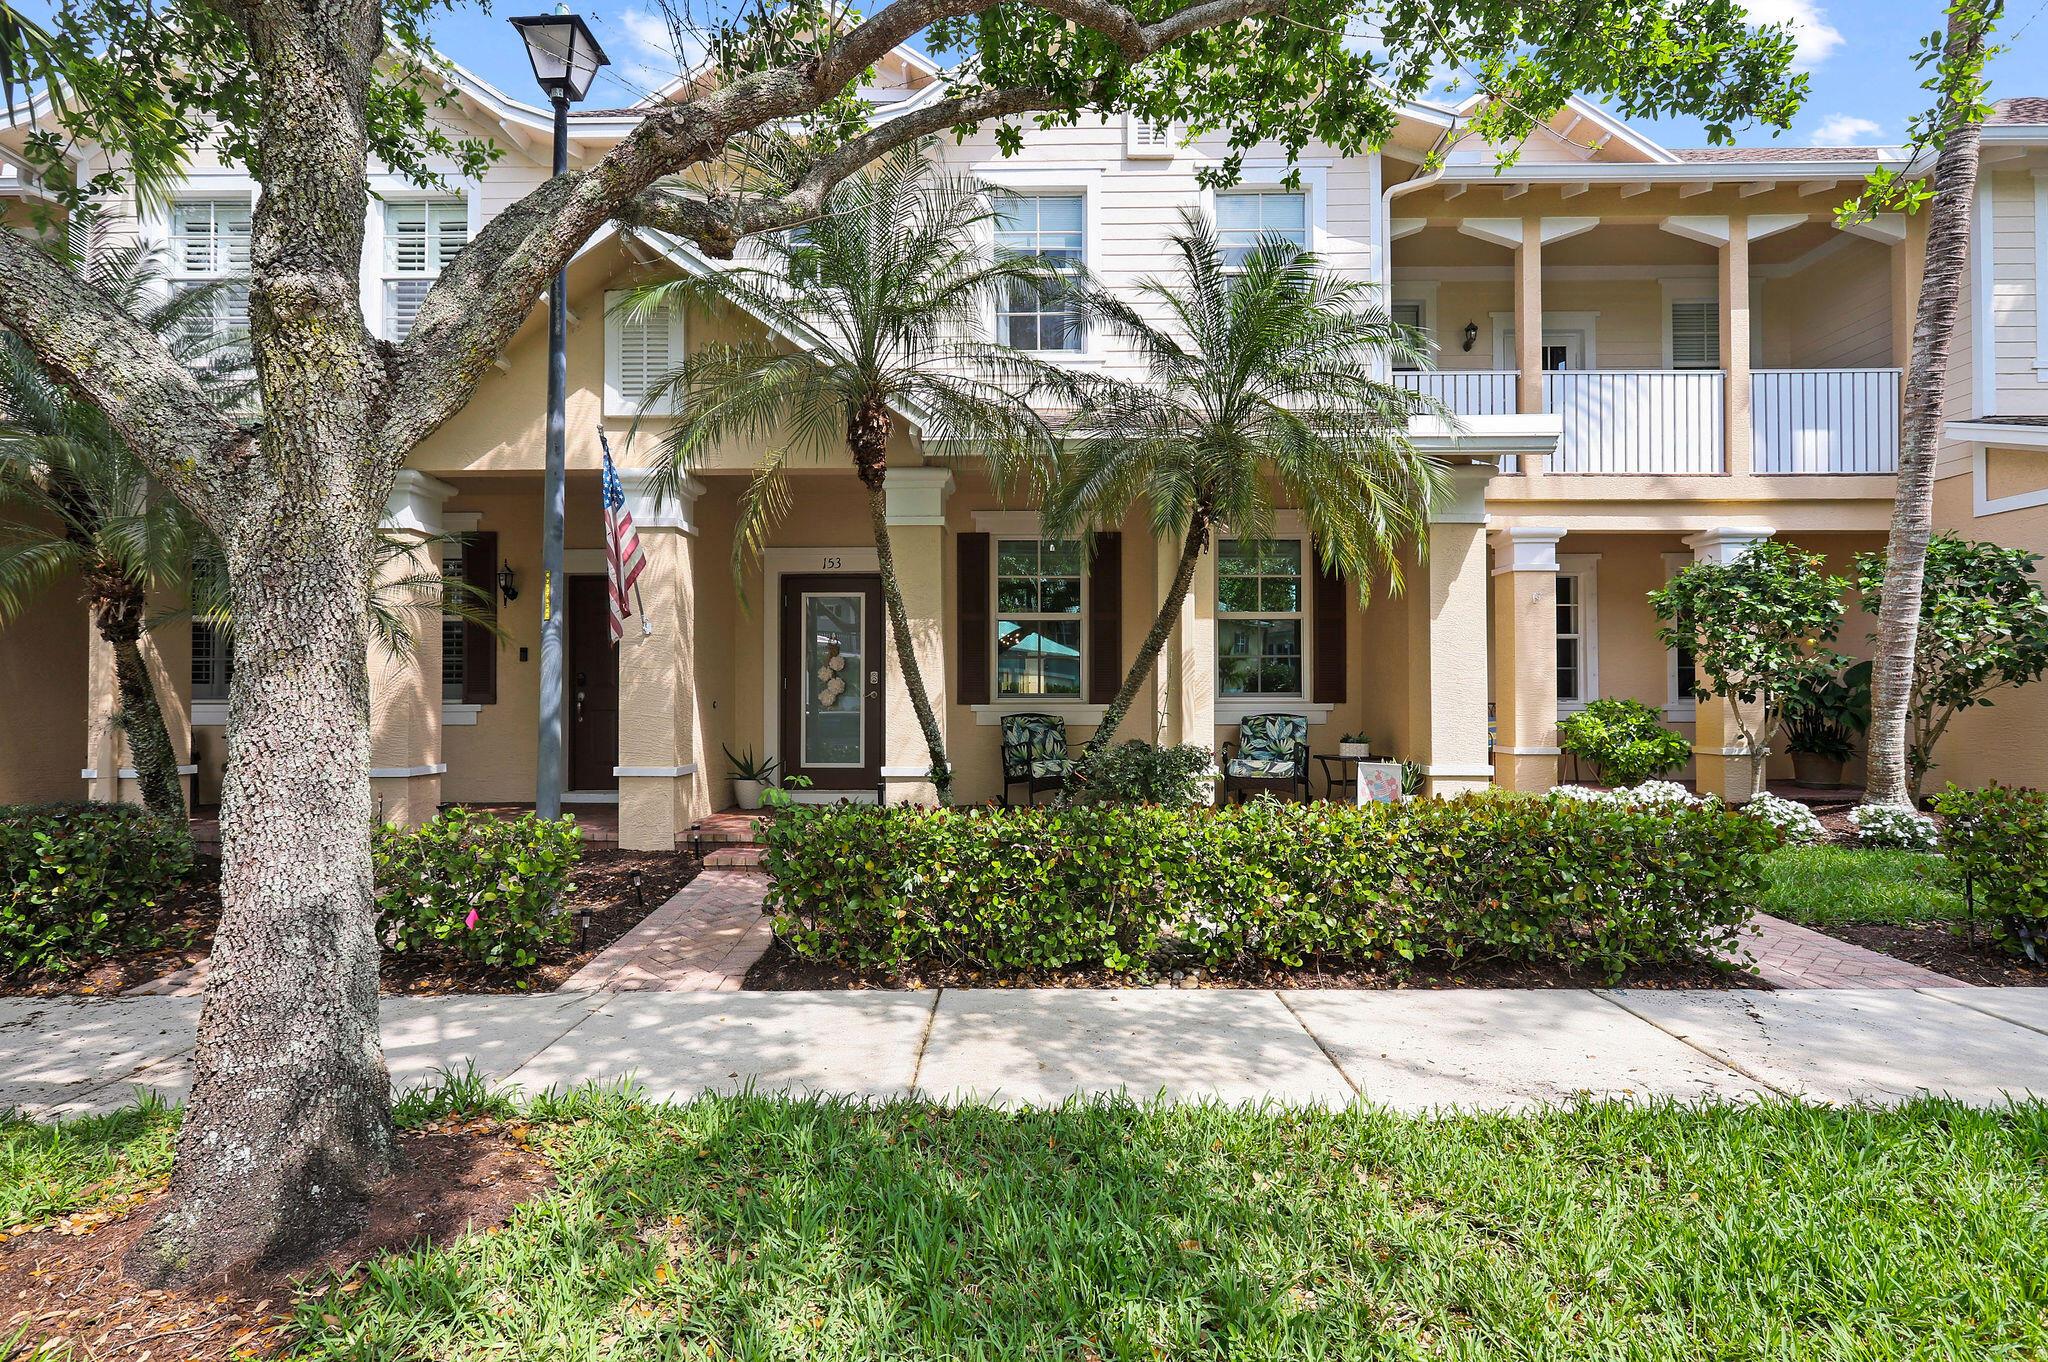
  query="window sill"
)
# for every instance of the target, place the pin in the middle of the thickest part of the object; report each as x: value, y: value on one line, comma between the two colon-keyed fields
x: 459, y: 715
x: 1235, y: 710
x: 1685, y: 713
x: 1073, y: 711
x: 209, y: 714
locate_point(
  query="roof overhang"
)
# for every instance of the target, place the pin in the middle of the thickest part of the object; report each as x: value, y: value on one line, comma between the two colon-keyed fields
x: 1677, y: 172
x: 1486, y: 437
x: 2005, y: 434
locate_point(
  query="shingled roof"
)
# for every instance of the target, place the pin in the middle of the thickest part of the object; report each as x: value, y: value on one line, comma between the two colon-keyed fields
x: 1749, y: 154
x: 2020, y: 109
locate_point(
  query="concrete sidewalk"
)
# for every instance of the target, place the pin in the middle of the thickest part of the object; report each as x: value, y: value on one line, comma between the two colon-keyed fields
x: 1481, y: 1049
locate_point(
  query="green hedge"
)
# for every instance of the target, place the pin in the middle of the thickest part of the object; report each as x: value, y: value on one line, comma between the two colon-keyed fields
x: 79, y: 882
x: 476, y: 887
x: 1996, y: 840
x: 1589, y: 885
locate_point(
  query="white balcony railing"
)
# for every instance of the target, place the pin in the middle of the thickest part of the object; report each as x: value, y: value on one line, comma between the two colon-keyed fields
x: 1825, y: 420
x: 1465, y: 392
x: 1637, y: 421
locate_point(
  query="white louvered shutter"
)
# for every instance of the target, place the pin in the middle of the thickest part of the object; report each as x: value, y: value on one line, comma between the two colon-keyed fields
x: 646, y: 351
x: 1148, y: 139
x: 420, y: 239
x: 1695, y: 333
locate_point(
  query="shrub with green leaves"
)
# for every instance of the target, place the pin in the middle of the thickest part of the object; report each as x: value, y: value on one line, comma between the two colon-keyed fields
x: 1997, y: 847
x: 1136, y: 772
x: 476, y: 887
x: 1625, y: 740
x: 80, y: 882
x: 1592, y: 885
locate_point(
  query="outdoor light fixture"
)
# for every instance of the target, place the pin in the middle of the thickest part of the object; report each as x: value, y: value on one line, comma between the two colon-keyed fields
x: 633, y: 878
x: 564, y: 53
x: 582, y: 928
x: 508, y: 585
x: 1471, y: 334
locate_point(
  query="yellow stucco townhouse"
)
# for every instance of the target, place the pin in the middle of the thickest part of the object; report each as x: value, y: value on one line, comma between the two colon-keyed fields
x: 1657, y: 355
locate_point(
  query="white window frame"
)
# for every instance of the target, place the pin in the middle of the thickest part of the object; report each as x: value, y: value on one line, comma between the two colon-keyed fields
x: 1261, y: 190
x: 997, y: 615
x: 1679, y: 706
x: 1585, y: 568
x: 1565, y: 325
x: 1027, y: 189
x: 1287, y: 525
x: 2040, y: 275
x: 1075, y: 709
x: 618, y: 402
x: 179, y: 276
x: 388, y: 275
x: 1270, y: 177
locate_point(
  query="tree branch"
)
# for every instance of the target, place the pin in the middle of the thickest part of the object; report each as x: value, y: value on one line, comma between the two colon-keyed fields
x: 115, y: 363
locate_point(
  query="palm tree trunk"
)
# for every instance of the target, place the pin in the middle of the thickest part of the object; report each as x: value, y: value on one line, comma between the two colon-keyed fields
x: 117, y: 608
x: 1148, y: 651
x: 906, y: 648
x: 1948, y: 251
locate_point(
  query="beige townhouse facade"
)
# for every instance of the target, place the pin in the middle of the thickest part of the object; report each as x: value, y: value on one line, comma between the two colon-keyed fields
x: 1653, y: 356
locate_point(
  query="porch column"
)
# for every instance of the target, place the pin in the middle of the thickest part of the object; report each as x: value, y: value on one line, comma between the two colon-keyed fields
x: 1447, y: 642
x: 1719, y: 755
x: 1735, y: 345
x: 1908, y: 264
x: 1186, y: 675
x: 1529, y: 318
x: 109, y: 771
x: 405, y: 693
x: 916, y: 511
x: 661, y: 787
x: 1525, y: 656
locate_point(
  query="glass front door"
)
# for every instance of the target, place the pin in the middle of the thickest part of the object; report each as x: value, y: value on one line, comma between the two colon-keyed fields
x: 832, y: 680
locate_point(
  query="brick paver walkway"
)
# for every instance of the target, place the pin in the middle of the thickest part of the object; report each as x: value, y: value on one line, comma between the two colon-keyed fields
x: 706, y: 937
x: 1791, y: 956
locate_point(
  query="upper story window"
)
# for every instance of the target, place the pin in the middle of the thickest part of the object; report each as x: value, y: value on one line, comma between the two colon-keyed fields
x: 1038, y: 618
x: 1695, y: 333
x: 1259, y: 617
x: 210, y: 243
x: 420, y: 238
x: 1050, y: 226
x: 1244, y: 217
x: 1410, y: 316
x: 642, y: 347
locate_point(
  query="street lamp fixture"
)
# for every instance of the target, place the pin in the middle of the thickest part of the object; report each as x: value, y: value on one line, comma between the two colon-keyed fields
x: 565, y: 59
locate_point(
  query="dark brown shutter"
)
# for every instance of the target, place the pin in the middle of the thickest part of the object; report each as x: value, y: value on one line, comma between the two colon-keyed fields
x: 1105, y: 618
x: 970, y: 610
x: 1329, y: 606
x: 479, y: 648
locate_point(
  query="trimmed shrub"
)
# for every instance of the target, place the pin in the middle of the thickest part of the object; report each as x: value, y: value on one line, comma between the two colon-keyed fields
x: 476, y: 887
x: 1884, y: 825
x: 1136, y: 772
x: 1801, y: 825
x: 79, y: 882
x: 1594, y: 885
x: 1997, y: 846
x: 1625, y: 740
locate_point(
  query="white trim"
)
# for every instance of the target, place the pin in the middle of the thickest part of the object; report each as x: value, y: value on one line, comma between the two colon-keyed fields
x: 1982, y: 502
x: 1725, y: 543
x: 2040, y: 274
x: 1983, y: 337
x: 616, y: 401
x: 649, y: 512
x: 1234, y: 709
x: 130, y: 773
x: 916, y: 496
x: 1287, y: 524
x: 456, y: 714
x: 1481, y: 772
x: 209, y: 714
x: 1995, y: 433
x: 1552, y: 274
x: 1584, y: 325
x: 1027, y: 525
x: 1526, y: 548
x: 1165, y: 149
x: 414, y: 503
x: 907, y: 772
x: 1423, y: 293
x: 1083, y: 180
x: 590, y: 796
x: 1678, y: 707
x: 654, y: 772
x: 461, y: 522
x: 408, y: 772
x: 1080, y: 713
x: 1586, y: 568
x: 776, y: 564
x: 1529, y: 751
x: 1267, y: 177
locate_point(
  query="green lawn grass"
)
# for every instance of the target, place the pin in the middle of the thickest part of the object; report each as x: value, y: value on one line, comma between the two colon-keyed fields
x: 754, y: 1228
x: 1829, y: 884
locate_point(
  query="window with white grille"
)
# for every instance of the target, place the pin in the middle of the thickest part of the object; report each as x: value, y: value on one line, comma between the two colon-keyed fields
x: 1053, y: 228
x: 1411, y: 316
x: 1695, y: 333
x: 420, y: 238
x: 209, y: 244
x: 1246, y: 217
x: 643, y: 346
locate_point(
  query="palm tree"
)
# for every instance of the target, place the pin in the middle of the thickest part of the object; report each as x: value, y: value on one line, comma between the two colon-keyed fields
x: 881, y: 287
x: 77, y: 503
x: 1264, y: 378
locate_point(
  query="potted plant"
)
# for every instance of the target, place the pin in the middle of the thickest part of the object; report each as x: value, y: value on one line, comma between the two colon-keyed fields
x: 749, y: 778
x: 1822, y: 721
x: 1354, y: 745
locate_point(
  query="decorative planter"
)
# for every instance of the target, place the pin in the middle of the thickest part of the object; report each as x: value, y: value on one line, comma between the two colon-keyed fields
x: 1815, y: 771
x: 1360, y: 750
x: 746, y: 793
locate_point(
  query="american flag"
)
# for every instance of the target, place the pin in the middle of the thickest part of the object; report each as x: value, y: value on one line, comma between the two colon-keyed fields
x: 624, y: 562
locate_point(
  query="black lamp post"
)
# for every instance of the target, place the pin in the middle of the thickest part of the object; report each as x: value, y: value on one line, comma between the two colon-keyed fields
x: 565, y: 59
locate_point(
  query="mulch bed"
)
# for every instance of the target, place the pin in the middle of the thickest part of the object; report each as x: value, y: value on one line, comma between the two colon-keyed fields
x: 780, y: 970
x: 603, y: 882
x: 66, y: 1278
x: 1932, y: 945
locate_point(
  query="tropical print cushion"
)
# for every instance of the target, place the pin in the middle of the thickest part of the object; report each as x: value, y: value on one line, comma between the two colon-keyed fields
x: 1270, y: 745
x: 1034, y: 745
x: 1263, y: 768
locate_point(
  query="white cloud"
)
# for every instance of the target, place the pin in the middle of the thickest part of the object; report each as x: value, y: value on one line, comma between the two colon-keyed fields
x: 654, y: 60
x: 1845, y: 130
x: 1816, y: 38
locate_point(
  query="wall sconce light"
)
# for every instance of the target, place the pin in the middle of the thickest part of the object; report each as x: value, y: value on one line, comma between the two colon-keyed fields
x: 1471, y: 335
x: 508, y: 585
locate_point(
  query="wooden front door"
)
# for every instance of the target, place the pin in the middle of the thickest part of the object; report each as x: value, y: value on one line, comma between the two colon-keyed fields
x: 592, y: 704
x: 832, y: 632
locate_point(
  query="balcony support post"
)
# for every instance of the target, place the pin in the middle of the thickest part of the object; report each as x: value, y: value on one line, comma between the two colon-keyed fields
x: 1529, y: 318
x: 1735, y: 346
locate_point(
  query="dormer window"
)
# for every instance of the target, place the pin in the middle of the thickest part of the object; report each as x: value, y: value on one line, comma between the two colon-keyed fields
x: 420, y: 238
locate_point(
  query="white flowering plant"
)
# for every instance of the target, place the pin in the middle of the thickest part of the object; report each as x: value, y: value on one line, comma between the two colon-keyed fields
x: 1800, y: 824
x: 1652, y: 794
x: 1887, y: 825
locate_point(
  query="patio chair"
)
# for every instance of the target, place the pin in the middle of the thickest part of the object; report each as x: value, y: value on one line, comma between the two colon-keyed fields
x: 1271, y: 751
x: 1034, y: 754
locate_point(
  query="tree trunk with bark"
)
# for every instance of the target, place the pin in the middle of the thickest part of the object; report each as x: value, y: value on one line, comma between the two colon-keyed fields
x: 1155, y: 640
x: 117, y: 605
x: 1888, y: 780
x: 867, y: 438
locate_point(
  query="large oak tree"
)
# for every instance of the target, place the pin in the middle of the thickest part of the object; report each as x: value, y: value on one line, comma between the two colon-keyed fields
x: 288, y: 1128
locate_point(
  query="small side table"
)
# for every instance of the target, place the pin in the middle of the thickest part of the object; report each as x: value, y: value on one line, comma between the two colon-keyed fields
x: 1336, y: 768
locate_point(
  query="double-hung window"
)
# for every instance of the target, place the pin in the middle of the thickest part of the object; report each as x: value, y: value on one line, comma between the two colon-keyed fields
x: 1038, y: 618
x: 1409, y: 316
x: 1051, y: 227
x: 1245, y: 217
x: 210, y: 249
x: 1259, y: 614
x: 420, y: 237
x: 213, y: 662
x: 1578, y: 657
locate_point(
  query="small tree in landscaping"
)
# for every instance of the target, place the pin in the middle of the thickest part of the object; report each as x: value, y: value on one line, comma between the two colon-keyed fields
x: 1625, y: 740
x: 1755, y: 628
x: 1983, y: 626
